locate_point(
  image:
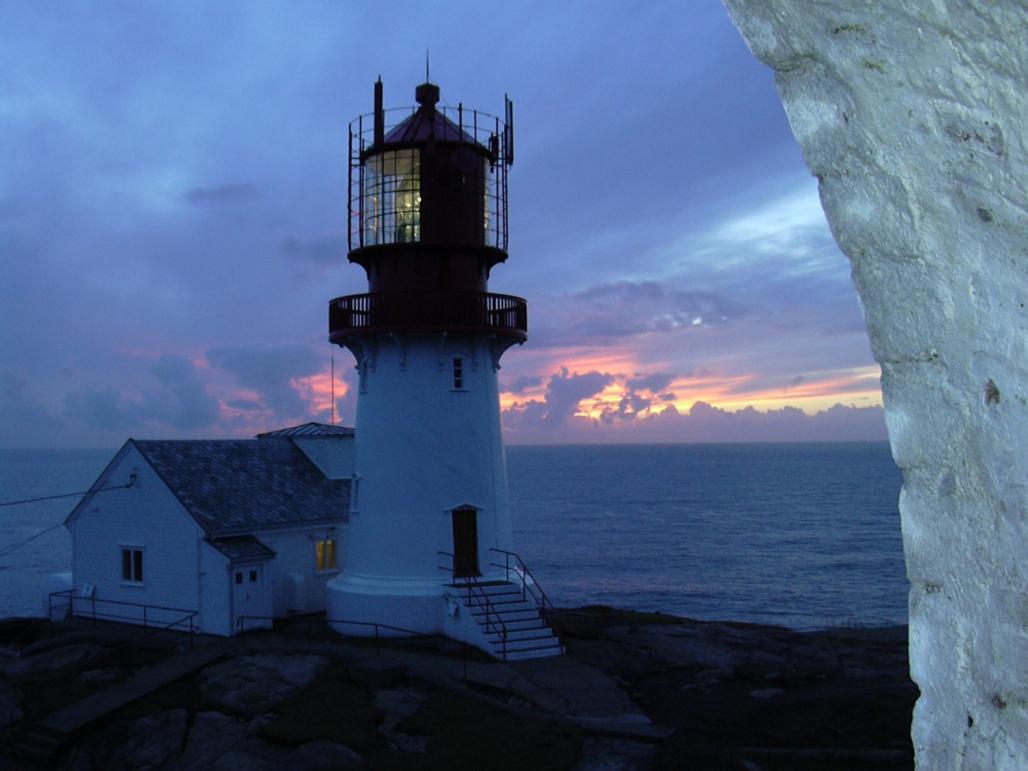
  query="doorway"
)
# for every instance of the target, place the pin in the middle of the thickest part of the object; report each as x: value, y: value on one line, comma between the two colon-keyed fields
x: 249, y: 598
x: 465, y: 542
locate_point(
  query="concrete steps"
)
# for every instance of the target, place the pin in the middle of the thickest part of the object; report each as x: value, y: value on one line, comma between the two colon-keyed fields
x: 509, y: 613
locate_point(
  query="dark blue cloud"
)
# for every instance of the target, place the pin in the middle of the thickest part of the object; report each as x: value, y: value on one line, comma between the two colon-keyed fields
x: 182, y: 400
x: 268, y: 372
x: 521, y: 384
x: 327, y: 250
x: 228, y: 193
x: 654, y: 382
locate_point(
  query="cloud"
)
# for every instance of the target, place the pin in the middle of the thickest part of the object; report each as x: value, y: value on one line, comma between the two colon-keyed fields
x: 101, y: 407
x: 521, y: 384
x: 179, y: 399
x: 269, y: 372
x: 320, y: 250
x: 654, y: 382
x: 526, y: 423
x: 613, y: 311
x: 229, y: 193
x: 244, y: 404
x: 182, y: 401
x: 563, y: 393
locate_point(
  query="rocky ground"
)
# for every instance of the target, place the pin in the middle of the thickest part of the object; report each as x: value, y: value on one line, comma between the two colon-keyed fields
x: 751, y: 696
x: 733, y: 696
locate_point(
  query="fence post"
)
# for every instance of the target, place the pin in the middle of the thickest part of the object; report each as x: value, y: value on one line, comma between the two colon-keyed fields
x: 144, y: 621
x: 93, y: 598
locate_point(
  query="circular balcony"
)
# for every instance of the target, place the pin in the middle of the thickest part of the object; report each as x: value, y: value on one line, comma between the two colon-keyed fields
x: 391, y: 312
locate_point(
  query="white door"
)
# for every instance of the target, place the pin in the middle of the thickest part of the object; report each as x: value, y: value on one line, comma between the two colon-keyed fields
x: 249, y: 608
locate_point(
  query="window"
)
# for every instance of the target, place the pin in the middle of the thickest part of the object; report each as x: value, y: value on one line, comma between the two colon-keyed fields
x: 239, y: 577
x: 458, y: 373
x: 324, y: 555
x: 391, y: 206
x: 355, y: 486
x: 253, y: 576
x: 132, y: 565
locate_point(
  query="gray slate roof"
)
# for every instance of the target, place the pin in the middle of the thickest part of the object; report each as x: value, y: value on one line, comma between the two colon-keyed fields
x: 309, y: 429
x: 240, y: 548
x: 236, y: 486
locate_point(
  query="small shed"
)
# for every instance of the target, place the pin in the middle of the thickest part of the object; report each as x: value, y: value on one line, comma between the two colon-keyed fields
x: 237, y: 532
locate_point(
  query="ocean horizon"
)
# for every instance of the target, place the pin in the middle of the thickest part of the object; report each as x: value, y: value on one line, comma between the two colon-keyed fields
x: 800, y: 534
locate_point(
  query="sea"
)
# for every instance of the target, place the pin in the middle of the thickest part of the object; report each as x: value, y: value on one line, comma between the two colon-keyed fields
x: 800, y: 535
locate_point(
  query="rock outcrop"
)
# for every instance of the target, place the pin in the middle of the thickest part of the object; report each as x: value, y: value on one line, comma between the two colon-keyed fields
x: 912, y: 117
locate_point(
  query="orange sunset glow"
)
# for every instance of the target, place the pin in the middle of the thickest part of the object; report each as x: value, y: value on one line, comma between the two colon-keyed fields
x: 817, y: 392
x: 317, y: 389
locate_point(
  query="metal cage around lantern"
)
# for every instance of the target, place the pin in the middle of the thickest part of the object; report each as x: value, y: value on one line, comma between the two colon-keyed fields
x: 384, y: 197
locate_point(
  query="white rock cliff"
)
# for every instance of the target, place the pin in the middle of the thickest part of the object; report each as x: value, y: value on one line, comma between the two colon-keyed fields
x: 912, y: 116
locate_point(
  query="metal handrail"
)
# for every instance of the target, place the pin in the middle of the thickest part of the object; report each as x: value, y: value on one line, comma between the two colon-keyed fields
x: 147, y: 623
x: 529, y: 584
x: 483, y: 599
x: 372, y: 312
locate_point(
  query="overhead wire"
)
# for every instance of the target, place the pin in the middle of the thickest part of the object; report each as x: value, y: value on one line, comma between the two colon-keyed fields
x: 24, y: 542
x: 64, y: 495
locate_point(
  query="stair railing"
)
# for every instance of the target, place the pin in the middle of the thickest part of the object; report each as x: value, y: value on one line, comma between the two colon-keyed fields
x: 493, y: 622
x: 512, y: 563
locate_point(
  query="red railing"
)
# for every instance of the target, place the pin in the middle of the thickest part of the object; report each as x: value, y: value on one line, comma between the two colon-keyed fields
x: 498, y: 314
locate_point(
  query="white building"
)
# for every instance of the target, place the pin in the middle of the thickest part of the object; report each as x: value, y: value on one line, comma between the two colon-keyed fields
x: 403, y: 528
x: 223, y: 529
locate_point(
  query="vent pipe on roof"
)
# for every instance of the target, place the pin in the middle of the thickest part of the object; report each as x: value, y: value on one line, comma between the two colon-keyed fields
x: 379, y: 113
x: 427, y: 95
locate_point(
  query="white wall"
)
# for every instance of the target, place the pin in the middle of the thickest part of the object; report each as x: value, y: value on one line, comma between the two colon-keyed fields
x: 294, y: 550
x: 145, y: 516
x: 423, y: 449
x: 332, y: 454
x: 215, y: 595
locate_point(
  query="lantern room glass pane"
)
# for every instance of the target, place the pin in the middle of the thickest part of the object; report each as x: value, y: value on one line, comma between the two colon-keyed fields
x: 492, y: 203
x: 391, y: 198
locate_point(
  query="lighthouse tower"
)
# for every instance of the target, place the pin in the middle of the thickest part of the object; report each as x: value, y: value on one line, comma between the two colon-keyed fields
x: 428, y: 547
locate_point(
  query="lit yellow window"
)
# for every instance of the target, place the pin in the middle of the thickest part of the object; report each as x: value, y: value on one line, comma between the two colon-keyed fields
x: 325, y: 555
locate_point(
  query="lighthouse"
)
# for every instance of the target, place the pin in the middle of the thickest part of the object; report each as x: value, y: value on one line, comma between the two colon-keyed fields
x: 429, y: 546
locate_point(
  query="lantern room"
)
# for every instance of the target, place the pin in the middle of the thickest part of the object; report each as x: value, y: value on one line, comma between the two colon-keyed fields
x: 426, y: 178
x: 427, y: 210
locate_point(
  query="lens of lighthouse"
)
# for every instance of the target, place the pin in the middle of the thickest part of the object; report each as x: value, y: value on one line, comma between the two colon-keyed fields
x: 392, y: 198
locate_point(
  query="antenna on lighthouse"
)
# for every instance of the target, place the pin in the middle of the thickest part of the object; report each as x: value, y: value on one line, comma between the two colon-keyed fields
x: 427, y: 78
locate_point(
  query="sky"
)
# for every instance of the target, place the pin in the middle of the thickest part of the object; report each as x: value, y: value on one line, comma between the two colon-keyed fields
x: 173, y: 220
